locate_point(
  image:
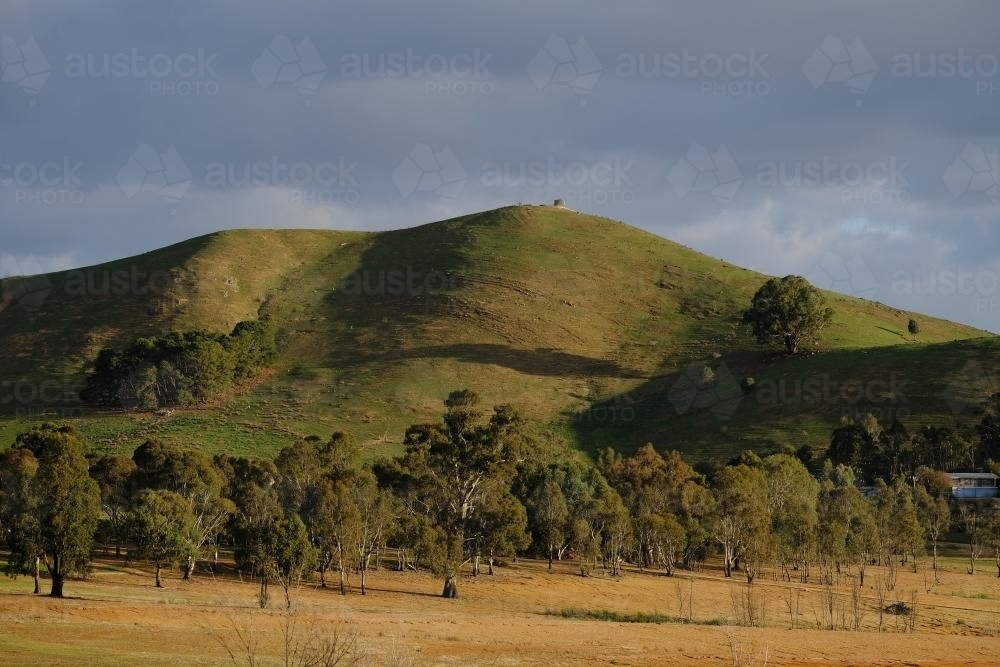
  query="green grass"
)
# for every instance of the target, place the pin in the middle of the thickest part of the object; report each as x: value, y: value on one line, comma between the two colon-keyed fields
x: 559, y: 313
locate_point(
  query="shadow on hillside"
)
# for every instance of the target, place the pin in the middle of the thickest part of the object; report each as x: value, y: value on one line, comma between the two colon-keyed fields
x: 51, y: 318
x: 540, y: 361
x: 897, y: 381
x: 385, y: 295
x: 894, y: 332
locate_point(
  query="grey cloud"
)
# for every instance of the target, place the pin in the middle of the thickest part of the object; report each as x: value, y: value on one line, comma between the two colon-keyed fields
x: 649, y: 122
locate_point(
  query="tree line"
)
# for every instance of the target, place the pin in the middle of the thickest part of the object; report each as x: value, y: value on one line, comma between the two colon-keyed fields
x: 874, y: 450
x: 468, y: 491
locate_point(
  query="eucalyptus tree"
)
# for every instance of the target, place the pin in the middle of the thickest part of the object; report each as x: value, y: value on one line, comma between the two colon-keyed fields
x: 57, y: 501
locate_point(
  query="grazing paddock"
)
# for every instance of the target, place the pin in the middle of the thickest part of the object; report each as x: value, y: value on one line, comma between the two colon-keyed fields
x: 524, y: 614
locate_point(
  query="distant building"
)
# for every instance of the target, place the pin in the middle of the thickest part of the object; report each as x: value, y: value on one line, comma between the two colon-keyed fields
x: 560, y: 203
x: 974, y: 485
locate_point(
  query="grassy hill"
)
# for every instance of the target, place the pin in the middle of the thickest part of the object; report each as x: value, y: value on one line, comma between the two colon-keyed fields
x: 586, y: 324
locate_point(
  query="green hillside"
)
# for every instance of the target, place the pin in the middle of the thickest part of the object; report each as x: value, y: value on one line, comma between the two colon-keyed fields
x: 584, y: 323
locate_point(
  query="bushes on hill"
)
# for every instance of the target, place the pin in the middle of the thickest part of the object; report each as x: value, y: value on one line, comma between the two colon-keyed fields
x: 180, y: 368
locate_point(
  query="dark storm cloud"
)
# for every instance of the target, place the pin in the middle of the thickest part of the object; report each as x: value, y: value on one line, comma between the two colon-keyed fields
x: 474, y: 80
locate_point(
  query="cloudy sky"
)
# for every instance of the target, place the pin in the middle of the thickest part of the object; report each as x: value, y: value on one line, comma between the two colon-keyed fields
x: 852, y: 142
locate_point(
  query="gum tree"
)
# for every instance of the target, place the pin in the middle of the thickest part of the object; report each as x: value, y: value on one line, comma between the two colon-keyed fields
x: 448, y: 470
x: 62, y: 504
x: 19, y: 516
x: 164, y: 528
x: 789, y: 310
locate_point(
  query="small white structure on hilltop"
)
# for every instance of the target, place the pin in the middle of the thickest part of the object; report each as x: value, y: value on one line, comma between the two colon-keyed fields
x: 974, y: 485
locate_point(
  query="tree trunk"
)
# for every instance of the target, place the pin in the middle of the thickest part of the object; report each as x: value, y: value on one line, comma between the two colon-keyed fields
x: 550, y: 557
x: 490, y: 561
x: 450, y: 588
x: 57, y: 577
x: 189, y: 567
x: 159, y: 583
x: 36, y: 574
x: 215, y: 560
x: 363, y: 568
x: 791, y: 343
x: 343, y: 590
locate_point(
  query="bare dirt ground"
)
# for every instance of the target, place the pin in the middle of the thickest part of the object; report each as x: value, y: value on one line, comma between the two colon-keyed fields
x: 117, y: 617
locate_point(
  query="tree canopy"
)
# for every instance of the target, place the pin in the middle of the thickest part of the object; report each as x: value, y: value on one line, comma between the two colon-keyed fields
x: 789, y: 310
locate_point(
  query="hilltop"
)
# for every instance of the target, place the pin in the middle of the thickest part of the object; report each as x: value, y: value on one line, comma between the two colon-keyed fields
x: 582, y: 322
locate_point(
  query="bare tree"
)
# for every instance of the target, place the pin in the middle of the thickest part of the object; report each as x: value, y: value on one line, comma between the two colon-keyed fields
x: 308, y: 643
x: 239, y: 639
x: 857, y: 605
x: 743, y: 651
x: 747, y: 605
x: 935, y: 515
x: 305, y: 641
x: 685, y: 599
x: 973, y: 520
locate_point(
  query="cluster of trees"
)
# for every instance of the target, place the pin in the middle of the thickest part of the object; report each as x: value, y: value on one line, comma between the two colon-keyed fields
x: 874, y: 451
x: 468, y: 490
x: 179, y: 369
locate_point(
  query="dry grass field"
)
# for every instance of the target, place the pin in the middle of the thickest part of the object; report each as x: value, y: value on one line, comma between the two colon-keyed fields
x: 523, y: 615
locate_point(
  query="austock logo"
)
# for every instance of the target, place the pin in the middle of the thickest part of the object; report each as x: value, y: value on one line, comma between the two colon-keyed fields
x: 51, y: 398
x: 424, y: 170
x: 732, y: 74
x: 835, y: 62
x: 458, y: 74
x: 702, y: 171
x: 183, y: 75
x: 44, y: 183
x: 701, y: 387
x: 579, y: 182
x: 877, y: 182
x: 608, y: 405
x: 972, y: 170
x: 408, y: 281
x: 24, y: 65
x: 885, y: 398
x: 982, y: 68
x: 284, y: 62
x: 559, y: 62
x: 329, y: 182
x: 148, y: 170
x: 852, y: 277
